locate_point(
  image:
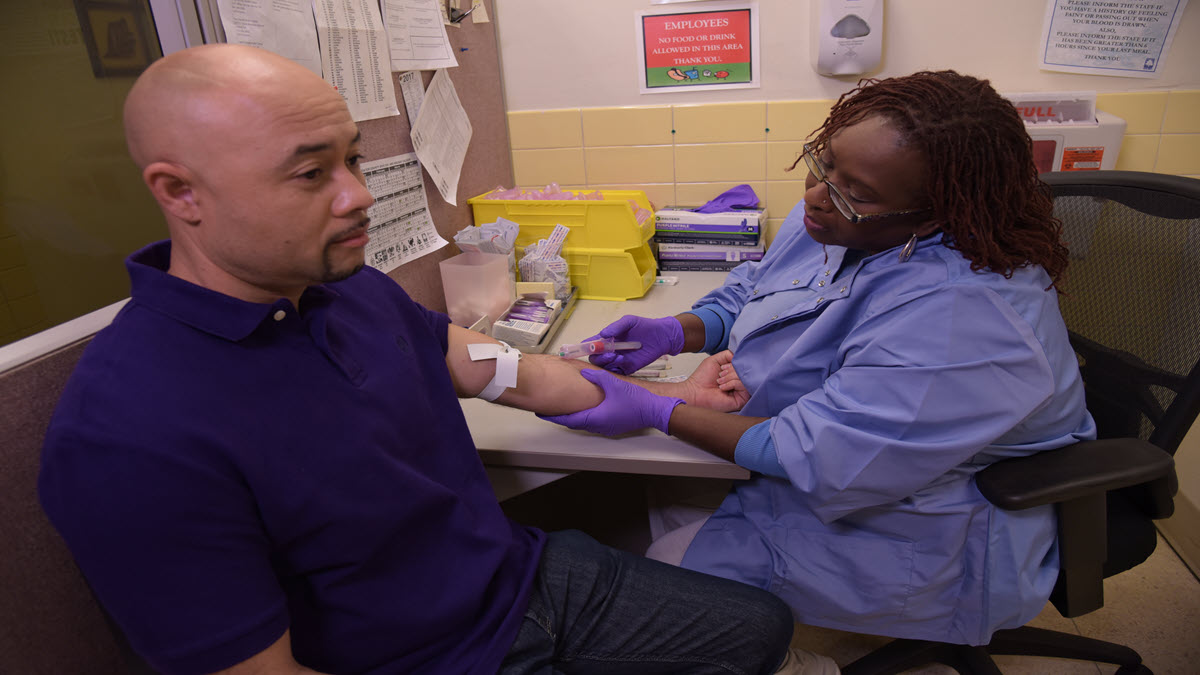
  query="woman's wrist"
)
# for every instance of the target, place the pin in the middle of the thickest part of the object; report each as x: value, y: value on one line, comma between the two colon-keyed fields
x: 694, y: 335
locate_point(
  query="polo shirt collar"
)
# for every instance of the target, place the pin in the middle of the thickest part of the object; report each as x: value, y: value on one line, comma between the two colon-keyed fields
x: 204, y: 309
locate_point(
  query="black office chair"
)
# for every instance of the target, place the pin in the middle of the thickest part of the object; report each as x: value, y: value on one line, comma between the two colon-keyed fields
x: 1132, y: 305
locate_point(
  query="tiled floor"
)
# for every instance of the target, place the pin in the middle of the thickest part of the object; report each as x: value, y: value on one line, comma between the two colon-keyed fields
x: 1153, y: 608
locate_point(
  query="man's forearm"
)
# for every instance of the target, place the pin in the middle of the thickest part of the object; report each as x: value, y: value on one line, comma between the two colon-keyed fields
x: 704, y: 387
x: 274, y: 660
x: 551, y: 385
x: 676, y: 389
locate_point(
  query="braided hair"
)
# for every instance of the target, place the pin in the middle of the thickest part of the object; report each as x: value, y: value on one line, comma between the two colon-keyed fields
x: 982, y: 185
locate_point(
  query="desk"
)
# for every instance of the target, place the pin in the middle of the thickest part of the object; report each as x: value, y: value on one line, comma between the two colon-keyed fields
x: 522, y: 452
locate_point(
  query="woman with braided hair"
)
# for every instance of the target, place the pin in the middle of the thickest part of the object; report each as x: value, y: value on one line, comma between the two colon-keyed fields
x: 901, y: 333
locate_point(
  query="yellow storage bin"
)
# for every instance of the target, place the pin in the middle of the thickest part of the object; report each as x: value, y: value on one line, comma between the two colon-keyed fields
x: 608, y: 223
x: 609, y: 274
x: 606, y: 274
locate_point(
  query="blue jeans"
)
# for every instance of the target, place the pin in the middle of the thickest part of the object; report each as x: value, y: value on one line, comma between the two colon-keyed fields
x: 595, y: 609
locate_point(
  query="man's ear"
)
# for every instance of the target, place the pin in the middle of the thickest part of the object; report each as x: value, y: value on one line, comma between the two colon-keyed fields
x: 173, y: 186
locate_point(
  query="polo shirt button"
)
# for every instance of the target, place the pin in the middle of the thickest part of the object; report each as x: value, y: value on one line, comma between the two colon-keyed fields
x: 279, y: 314
x: 821, y: 282
x: 756, y: 291
x: 820, y: 300
x: 842, y: 289
x: 775, y: 317
x: 795, y: 281
x: 826, y: 272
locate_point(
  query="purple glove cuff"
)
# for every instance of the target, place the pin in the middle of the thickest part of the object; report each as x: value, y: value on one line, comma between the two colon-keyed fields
x: 674, y: 331
x: 662, y: 412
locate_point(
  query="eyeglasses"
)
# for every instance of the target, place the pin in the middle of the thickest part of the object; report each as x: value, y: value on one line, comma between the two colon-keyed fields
x: 839, y: 200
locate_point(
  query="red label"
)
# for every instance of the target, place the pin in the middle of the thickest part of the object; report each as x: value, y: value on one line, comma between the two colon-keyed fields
x: 1082, y: 159
x: 697, y: 39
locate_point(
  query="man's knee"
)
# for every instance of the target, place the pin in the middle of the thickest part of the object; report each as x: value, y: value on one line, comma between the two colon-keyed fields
x: 777, y: 621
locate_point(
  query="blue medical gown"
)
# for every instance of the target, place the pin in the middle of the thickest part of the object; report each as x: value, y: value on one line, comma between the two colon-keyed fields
x: 888, y: 386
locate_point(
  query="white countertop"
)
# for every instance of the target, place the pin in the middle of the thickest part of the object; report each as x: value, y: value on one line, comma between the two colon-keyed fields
x: 510, y: 438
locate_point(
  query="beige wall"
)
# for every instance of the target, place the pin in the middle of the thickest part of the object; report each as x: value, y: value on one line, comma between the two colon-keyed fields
x: 558, y: 54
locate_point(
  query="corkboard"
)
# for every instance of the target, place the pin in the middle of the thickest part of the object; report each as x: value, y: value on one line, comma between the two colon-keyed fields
x: 487, y: 164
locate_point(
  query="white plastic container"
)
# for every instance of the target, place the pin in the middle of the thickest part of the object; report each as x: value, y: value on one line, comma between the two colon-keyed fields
x: 1068, y: 133
x: 476, y: 285
x: 1077, y: 147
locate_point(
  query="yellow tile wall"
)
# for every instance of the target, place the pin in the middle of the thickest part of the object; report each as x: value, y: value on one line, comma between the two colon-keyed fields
x: 630, y: 164
x: 545, y: 129
x: 720, y: 122
x: 684, y: 155
x: 550, y: 165
x: 627, y: 126
x: 1162, y: 132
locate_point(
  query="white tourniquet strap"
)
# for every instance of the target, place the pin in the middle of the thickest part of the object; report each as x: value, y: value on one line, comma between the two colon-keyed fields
x: 506, y: 366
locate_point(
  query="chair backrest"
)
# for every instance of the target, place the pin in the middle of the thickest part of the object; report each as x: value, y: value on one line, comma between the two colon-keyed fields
x: 1132, y: 305
x: 1132, y: 300
x: 49, y: 622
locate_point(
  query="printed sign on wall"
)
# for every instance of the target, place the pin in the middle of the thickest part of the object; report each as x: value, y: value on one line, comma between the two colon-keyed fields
x: 1129, y: 38
x: 712, y: 49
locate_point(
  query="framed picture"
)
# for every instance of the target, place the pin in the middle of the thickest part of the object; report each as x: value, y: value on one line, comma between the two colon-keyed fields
x: 119, y: 36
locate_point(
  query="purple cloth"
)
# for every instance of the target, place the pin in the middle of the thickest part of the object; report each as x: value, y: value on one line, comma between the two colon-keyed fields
x: 221, y: 475
x: 740, y: 197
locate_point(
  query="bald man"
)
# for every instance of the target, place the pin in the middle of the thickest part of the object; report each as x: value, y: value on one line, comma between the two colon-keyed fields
x: 261, y: 466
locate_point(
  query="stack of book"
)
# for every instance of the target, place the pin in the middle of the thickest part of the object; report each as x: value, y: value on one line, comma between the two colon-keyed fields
x: 686, y: 240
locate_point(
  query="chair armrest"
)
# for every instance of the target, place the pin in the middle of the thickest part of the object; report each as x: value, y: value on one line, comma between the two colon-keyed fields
x: 1088, y: 467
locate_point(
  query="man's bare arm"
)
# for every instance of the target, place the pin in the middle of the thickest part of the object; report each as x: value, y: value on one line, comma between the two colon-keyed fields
x: 550, y: 385
x: 547, y: 385
x: 274, y: 660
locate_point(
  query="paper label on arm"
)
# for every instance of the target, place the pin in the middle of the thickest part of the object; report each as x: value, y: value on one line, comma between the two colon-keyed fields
x: 506, y: 366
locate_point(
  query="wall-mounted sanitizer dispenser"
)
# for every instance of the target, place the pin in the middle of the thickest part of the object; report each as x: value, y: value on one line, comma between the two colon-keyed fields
x: 848, y: 36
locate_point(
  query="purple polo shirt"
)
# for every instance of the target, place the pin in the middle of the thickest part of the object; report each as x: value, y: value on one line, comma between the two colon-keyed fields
x: 223, y: 471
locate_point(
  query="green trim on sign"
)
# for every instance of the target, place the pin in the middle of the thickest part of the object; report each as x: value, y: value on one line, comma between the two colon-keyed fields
x: 688, y: 76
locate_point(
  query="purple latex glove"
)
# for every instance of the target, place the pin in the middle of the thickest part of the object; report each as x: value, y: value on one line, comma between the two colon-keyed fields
x: 658, y: 337
x: 740, y: 197
x: 626, y: 407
